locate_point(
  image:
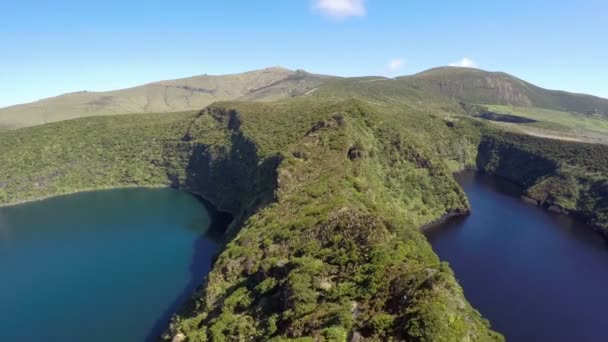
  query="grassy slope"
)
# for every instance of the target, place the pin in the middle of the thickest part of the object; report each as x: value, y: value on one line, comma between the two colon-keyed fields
x: 568, y: 121
x: 560, y: 125
x: 191, y: 93
x: 478, y: 86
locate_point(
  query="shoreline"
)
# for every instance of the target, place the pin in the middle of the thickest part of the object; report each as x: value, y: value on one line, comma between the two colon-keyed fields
x: 573, y: 214
x: 445, y: 218
x: 91, y: 189
x: 547, y: 206
x: 222, y: 217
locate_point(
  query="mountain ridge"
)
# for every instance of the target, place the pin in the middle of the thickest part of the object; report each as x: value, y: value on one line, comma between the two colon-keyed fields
x: 473, y: 86
x: 160, y: 82
x: 495, y: 87
x: 190, y: 93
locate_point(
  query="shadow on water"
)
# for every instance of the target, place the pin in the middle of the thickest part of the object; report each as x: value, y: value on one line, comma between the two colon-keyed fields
x: 452, y: 224
x: 206, y: 246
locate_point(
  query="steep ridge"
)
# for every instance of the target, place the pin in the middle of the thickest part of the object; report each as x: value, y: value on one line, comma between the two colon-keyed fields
x: 464, y: 84
x: 191, y: 93
x: 333, y: 256
x: 483, y: 87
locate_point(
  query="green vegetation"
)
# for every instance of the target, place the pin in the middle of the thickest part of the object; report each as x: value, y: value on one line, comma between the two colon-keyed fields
x: 568, y: 126
x: 271, y: 84
x: 86, y: 154
x: 563, y: 176
x: 328, y: 191
x: 339, y: 251
x: 567, y: 120
x: 498, y: 88
x: 328, y: 196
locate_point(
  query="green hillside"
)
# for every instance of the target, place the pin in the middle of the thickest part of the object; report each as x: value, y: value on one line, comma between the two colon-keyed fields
x: 483, y: 87
x: 567, y: 126
x: 86, y: 153
x: 191, y: 93
x: 438, y: 85
x: 329, y: 190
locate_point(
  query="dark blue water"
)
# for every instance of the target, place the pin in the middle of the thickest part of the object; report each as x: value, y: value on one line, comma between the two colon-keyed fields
x: 535, y: 275
x: 100, y: 266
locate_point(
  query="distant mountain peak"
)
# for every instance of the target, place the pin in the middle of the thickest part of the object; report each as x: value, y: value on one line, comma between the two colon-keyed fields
x: 490, y: 87
x: 277, y: 68
x: 191, y: 93
x: 474, y: 86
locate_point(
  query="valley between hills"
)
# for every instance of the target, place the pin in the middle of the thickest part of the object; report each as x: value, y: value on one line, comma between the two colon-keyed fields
x: 329, y: 181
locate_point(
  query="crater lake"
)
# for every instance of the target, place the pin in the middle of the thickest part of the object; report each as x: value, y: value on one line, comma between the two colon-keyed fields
x: 110, y: 265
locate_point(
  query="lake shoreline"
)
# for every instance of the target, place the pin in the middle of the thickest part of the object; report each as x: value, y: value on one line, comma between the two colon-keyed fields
x: 91, y: 189
x: 445, y: 218
x: 556, y: 209
x: 116, y: 264
x: 530, y: 272
x: 544, y: 205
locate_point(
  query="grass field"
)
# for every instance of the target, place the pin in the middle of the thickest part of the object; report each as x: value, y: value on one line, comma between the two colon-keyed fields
x: 556, y: 119
x: 556, y: 124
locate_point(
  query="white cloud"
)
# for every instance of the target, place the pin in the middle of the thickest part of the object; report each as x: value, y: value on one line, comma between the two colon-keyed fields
x: 465, y: 63
x: 392, y: 68
x: 395, y: 64
x: 340, y: 8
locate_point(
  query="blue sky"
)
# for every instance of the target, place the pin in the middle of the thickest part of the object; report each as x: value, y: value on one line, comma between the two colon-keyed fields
x: 52, y: 47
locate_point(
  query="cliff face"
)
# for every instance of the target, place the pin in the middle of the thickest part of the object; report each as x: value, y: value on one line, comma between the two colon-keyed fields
x: 570, y: 178
x: 500, y: 90
x: 217, y: 162
x: 513, y: 162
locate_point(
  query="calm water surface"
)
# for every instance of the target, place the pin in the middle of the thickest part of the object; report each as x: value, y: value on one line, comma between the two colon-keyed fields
x: 100, y: 266
x: 535, y: 275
